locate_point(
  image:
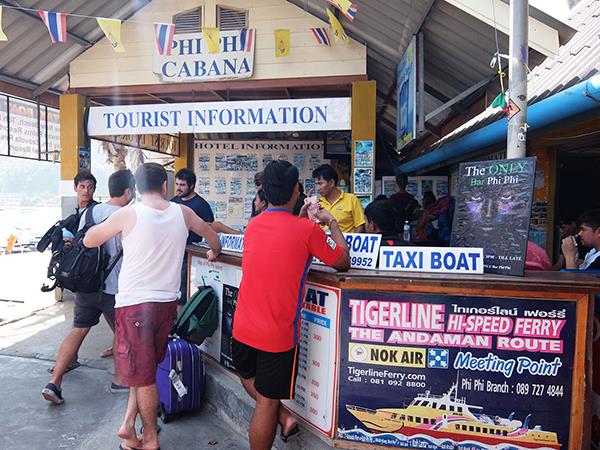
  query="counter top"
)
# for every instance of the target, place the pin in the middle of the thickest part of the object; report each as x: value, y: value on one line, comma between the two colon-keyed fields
x: 533, y: 280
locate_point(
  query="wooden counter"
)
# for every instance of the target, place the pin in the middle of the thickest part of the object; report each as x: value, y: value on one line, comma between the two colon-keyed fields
x: 414, y: 360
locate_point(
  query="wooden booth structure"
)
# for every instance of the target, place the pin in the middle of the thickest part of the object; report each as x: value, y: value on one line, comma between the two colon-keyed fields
x: 416, y: 360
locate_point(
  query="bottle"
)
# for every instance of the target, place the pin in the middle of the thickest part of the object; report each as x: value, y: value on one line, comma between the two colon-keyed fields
x: 406, y: 234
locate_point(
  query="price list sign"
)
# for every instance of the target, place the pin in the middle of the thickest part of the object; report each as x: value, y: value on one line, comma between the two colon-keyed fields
x: 316, y: 383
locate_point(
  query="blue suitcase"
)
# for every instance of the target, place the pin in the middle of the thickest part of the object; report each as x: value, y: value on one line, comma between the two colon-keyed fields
x: 182, y: 363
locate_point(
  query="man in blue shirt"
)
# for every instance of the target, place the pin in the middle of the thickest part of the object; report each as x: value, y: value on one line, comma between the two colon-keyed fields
x: 185, y: 182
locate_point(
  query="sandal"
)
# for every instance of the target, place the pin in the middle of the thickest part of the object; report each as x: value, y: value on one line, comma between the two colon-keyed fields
x: 106, y: 353
x: 53, y: 394
x: 73, y: 366
x: 294, y: 431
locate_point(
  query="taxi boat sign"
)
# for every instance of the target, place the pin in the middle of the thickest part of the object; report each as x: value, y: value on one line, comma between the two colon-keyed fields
x: 432, y: 259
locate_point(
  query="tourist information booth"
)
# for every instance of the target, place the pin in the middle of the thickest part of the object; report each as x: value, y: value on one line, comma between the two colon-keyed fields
x: 431, y: 360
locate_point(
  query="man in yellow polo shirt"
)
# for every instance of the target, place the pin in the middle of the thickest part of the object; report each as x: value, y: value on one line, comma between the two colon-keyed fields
x: 344, y: 207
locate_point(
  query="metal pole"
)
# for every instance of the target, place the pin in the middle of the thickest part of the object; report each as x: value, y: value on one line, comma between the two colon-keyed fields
x: 517, y: 79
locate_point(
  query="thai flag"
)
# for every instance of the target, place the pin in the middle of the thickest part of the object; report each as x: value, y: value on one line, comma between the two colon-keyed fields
x: 163, y: 35
x: 57, y: 25
x: 351, y: 12
x: 322, y: 36
x: 246, y: 37
x: 346, y: 7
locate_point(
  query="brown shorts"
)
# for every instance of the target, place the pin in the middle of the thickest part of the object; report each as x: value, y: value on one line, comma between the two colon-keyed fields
x: 142, y: 333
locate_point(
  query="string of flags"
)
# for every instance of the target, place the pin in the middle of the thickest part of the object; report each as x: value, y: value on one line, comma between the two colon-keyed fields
x: 56, y: 24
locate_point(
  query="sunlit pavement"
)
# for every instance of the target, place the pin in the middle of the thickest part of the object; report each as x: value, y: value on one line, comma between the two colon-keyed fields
x: 31, y: 331
x: 21, y: 277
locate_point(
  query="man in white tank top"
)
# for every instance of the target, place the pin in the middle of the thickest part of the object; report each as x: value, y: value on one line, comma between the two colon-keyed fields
x: 154, y: 238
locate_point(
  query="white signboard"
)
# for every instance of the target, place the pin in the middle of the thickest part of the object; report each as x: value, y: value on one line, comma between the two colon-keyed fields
x: 308, y: 114
x: 190, y: 60
x: 314, y: 398
x: 219, y: 276
x: 364, y: 250
x: 431, y: 259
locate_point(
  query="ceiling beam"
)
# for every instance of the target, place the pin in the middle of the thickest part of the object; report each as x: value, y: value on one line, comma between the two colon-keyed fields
x: 24, y: 83
x: 247, y: 85
x: 50, y: 82
x: 464, y: 94
x: 437, y: 94
x: 14, y: 7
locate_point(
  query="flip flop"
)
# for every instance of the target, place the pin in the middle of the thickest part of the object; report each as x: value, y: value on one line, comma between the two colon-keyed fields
x: 294, y: 431
x: 53, y: 394
x: 73, y: 366
x: 106, y: 353
x: 158, y: 429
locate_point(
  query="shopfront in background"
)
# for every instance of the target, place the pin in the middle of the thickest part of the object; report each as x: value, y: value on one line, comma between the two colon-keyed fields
x: 234, y: 110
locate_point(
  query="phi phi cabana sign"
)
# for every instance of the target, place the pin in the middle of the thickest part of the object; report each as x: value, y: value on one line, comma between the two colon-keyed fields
x: 188, y: 58
x: 309, y: 114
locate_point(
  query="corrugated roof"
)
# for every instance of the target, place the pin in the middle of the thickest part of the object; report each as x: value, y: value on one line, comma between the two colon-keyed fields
x: 577, y: 61
x: 457, y: 47
x: 29, y: 58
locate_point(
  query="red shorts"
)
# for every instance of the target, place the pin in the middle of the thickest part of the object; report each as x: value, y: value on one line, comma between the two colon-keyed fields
x: 142, y: 333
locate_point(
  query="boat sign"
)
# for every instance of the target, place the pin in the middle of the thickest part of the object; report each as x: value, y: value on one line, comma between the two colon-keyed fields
x: 431, y: 259
x: 364, y: 249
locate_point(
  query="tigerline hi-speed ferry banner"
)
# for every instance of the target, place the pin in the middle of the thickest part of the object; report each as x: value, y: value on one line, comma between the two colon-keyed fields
x: 452, y: 372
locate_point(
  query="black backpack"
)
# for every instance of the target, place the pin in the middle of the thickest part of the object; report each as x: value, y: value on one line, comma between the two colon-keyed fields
x: 75, y: 267
x: 54, y: 235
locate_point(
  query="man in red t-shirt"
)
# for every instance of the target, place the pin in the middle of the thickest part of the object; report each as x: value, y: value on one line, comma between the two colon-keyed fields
x: 278, y: 250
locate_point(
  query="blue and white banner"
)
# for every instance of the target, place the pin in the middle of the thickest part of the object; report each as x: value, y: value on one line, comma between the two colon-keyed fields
x: 188, y: 58
x: 309, y: 114
x: 406, y: 96
x: 431, y: 259
x: 232, y: 242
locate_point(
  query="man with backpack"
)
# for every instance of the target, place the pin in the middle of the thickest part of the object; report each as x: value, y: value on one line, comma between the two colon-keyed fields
x: 278, y: 247
x: 90, y: 306
x: 154, y: 234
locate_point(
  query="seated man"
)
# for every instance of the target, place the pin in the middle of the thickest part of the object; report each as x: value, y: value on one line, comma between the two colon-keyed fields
x: 381, y: 220
x: 345, y: 207
x: 568, y: 227
x: 589, y: 232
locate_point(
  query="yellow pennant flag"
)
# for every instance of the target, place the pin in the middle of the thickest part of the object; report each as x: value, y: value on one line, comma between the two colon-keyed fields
x: 112, y: 30
x: 212, y: 37
x: 338, y: 29
x: 3, y: 36
x: 282, y: 42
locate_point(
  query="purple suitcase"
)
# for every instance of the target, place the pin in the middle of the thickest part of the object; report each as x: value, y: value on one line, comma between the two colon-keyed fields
x: 184, y: 358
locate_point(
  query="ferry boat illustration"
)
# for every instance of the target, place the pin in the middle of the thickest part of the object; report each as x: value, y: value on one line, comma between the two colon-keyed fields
x: 449, y: 417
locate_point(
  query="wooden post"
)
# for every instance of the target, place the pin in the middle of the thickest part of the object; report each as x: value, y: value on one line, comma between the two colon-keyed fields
x: 363, y: 121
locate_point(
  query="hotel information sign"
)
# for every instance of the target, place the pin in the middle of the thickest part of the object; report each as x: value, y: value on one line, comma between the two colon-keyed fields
x: 438, y: 371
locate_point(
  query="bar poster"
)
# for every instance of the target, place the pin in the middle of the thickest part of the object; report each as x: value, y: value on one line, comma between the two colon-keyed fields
x: 493, y: 207
x: 452, y: 372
